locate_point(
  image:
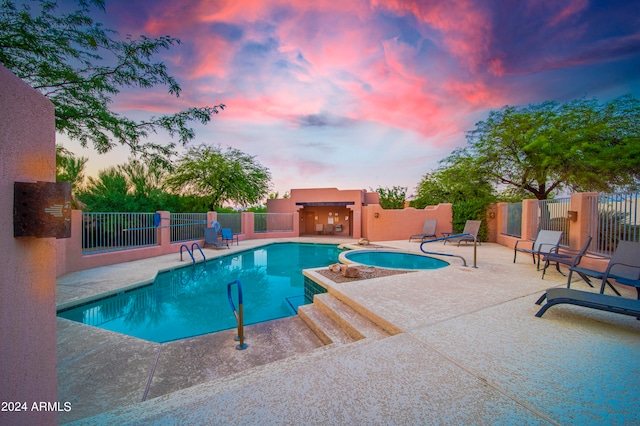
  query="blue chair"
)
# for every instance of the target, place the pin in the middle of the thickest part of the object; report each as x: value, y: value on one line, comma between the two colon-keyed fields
x: 228, y: 235
x: 211, y: 238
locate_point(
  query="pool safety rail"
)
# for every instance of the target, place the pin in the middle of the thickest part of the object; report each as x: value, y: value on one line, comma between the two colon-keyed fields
x: 237, y: 313
x: 448, y: 237
x: 193, y: 259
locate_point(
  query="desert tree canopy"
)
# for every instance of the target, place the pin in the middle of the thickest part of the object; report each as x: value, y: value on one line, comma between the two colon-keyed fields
x: 220, y: 176
x: 543, y: 148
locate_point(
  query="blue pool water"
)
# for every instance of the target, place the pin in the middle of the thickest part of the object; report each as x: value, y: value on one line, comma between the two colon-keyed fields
x: 190, y: 301
x: 394, y: 259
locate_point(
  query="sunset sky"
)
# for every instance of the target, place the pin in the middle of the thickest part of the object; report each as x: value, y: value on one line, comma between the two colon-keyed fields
x: 357, y: 94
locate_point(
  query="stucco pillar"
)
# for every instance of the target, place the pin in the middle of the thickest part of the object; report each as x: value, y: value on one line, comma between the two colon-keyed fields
x: 579, y: 226
x: 28, y: 280
x: 163, y: 231
x: 529, y: 226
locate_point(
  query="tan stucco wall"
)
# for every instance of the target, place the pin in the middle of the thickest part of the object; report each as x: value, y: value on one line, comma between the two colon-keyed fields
x: 401, y: 224
x: 27, y: 282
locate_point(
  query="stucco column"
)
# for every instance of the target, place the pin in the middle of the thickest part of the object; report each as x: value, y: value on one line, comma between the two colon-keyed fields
x: 579, y: 227
x: 163, y: 231
x: 529, y: 225
x: 28, y: 358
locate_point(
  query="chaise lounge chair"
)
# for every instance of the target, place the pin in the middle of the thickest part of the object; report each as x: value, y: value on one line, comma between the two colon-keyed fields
x: 211, y: 238
x: 624, y: 267
x: 470, y: 227
x: 546, y: 242
x: 603, y: 302
x: 570, y: 259
x: 428, y: 230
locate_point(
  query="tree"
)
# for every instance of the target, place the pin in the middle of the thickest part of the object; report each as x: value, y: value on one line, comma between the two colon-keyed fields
x: 79, y: 66
x: 452, y: 184
x: 392, y: 198
x: 469, y: 191
x: 543, y: 148
x: 69, y: 168
x: 220, y: 176
x: 108, y: 192
x: 135, y: 187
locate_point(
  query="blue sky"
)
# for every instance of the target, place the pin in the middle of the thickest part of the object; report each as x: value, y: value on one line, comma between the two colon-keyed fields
x: 360, y: 94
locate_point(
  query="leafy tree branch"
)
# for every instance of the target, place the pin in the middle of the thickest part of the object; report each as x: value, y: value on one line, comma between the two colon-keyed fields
x: 80, y: 66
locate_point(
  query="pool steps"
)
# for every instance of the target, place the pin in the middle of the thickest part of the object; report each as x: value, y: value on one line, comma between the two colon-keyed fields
x: 334, y: 322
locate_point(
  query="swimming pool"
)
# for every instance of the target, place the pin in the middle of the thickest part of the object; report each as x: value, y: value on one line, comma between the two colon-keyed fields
x: 392, y: 259
x: 192, y: 300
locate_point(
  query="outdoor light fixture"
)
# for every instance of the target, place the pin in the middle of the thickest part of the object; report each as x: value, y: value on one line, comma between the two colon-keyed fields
x: 376, y: 215
x: 573, y: 215
x: 492, y: 215
x: 42, y: 209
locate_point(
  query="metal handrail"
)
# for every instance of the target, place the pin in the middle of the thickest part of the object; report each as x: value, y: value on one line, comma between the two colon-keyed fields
x: 188, y: 251
x: 237, y: 313
x: 198, y: 246
x: 448, y: 237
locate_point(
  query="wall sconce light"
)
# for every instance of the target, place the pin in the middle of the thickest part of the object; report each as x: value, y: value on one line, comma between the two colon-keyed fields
x: 376, y: 215
x: 492, y: 215
x: 42, y: 209
x: 573, y: 215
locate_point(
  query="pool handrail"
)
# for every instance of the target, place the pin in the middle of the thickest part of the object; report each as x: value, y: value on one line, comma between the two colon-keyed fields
x: 192, y: 251
x: 237, y: 313
x: 466, y: 234
x: 188, y: 251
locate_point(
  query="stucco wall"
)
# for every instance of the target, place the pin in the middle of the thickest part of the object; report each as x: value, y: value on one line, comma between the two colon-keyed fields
x: 27, y: 282
x: 400, y: 224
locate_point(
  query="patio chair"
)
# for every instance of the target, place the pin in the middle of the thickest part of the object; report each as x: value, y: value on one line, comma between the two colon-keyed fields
x: 570, y: 259
x: 603, y: 302
x: 211, y: 238
x: 624, y: 268
x: 546, y: 242
x: 470, y: 227
x: 228, y: 235
x: 428, y: 230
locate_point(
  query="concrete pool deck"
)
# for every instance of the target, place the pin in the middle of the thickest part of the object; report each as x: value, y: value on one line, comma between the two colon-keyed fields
x: 471, y: 351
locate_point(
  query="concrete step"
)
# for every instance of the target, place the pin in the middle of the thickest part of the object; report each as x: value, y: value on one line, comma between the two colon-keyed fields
x: 354, y: 324
x: 335, y: 322
x: 327, y: 330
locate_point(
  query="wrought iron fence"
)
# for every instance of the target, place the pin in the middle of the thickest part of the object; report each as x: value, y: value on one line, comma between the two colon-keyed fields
x: 187, y: 226
x: 512, y: 226
x: 104, y: 232
x: 553, y: 215
x: 613, y: 217
x: 273, y: 222
x: 231, y: 220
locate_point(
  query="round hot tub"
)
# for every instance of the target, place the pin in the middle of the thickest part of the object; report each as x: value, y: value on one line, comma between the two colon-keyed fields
x: 392, y: 259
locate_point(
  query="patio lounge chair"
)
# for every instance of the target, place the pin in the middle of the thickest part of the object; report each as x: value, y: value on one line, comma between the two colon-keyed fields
x: 603, y: 302
x: 470, y: 227
x: 546, y: 242
x: 228, y: 235
x: 570, y: 259
x: 624, y: 267
x: 428, y: 230
x: 211, y: 238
